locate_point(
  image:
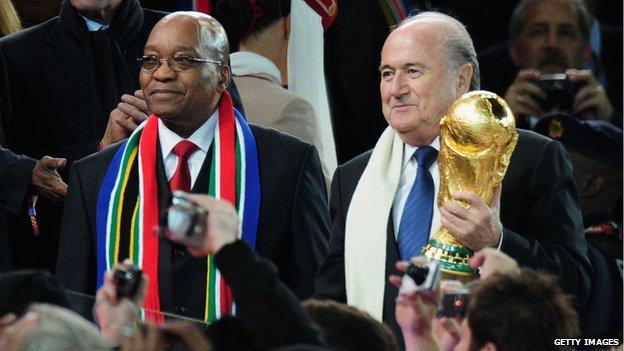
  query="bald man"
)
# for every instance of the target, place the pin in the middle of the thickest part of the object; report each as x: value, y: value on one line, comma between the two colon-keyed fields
x: 382, y: 202
x: 194, y: 141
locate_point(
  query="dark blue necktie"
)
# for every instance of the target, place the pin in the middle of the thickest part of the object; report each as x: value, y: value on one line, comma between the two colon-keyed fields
x: 416, y: 219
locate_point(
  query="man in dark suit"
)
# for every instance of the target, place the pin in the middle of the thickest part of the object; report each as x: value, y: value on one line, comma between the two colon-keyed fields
x: 380, y: 199
x: 184, y: 77
x: 553, y: 37
x: 20, y: 178
x: 58, y: 82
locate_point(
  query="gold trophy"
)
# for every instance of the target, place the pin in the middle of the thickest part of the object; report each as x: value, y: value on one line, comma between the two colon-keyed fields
x: 477, y: 137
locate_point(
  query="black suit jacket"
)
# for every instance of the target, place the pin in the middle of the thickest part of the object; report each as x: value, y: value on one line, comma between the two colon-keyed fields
x: 15, y: 174
x: 45, y: 93
x: 540, y: 213
x: 293, y: 228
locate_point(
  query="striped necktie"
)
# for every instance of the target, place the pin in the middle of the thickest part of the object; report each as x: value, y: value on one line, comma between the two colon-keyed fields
x: 416, y: 219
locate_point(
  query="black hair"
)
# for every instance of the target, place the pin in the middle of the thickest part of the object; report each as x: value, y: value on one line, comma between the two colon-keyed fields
x: 524, y: 312
x: 244, y: 18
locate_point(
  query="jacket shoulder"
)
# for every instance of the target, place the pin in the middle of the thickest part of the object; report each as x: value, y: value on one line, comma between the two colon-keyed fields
x: 99, y: 160
x: 32, y: 35
x: 529, y: 141
x: 153, y: 16
x: 355, y: 167
x: 269, y: 137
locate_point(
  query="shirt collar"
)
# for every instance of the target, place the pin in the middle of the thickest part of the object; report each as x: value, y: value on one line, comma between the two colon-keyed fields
x: 94, y: 26
x: 247, y: 63
x: 202, y: 137
x: 408, y: 150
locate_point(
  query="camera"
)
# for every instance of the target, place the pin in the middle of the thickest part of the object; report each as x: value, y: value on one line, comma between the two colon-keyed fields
x: 559, y: 91
x: 127, y: 282
x: 185, y: 222
x: 453, y: 304
x: 421, y: 277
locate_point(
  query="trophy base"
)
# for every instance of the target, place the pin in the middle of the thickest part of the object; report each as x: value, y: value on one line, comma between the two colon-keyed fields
x: 453, y: 259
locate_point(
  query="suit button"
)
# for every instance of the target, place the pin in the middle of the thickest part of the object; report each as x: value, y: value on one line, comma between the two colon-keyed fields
x: 181, y: 309
x: 179, y: 253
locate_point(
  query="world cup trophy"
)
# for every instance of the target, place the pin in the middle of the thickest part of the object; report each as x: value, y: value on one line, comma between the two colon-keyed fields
x: 477, y: 137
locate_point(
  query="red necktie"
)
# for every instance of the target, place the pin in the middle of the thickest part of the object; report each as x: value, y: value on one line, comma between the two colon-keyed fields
x: 181, y: 179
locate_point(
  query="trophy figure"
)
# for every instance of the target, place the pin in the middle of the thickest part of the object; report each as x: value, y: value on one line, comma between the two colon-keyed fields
x: 477, y: 137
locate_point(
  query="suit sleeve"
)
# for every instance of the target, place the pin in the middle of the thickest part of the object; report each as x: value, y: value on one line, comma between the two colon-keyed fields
x: 330, y: 280
x: 310, y: 222
x: 554, y: 239
x: 15, y: 174
x: 75, y: 265
x: 268, y: 311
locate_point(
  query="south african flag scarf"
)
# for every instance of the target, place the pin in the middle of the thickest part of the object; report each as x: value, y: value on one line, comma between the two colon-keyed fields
x: 127, y: 207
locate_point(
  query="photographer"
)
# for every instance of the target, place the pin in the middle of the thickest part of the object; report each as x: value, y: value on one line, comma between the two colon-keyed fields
x: 508, y: 309
x: 552, y: 37
x: 268, y: 315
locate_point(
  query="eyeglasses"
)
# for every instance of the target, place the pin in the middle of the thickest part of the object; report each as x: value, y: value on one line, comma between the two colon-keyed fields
x: 176, y: 63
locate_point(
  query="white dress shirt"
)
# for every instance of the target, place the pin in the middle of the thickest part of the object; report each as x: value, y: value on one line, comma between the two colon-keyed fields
x: 202, y: 137
x: 408, y: 175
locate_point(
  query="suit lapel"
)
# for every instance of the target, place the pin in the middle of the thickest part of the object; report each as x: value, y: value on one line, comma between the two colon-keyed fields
x: 392, y: 256
x: 391, y: 291
x: 165, y: 269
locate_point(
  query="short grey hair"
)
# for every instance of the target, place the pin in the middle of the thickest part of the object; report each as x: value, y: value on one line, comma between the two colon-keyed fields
x: 210, y: 34
x: 59, y: 329
x: 457, y: 43
x: 518, y: 18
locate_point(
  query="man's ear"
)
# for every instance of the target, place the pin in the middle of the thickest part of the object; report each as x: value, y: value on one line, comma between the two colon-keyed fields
x: 225, y: 75
x: 464, y: 78
x: 514, y: 53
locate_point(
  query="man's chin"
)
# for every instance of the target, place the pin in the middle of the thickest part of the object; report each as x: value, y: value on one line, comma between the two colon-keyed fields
x: 166, y: 115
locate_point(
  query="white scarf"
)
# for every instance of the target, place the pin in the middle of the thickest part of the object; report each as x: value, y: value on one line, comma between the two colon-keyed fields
x: 367, y: 223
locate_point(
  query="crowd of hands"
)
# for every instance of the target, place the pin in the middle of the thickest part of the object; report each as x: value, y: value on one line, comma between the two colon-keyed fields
x: 118, y: 318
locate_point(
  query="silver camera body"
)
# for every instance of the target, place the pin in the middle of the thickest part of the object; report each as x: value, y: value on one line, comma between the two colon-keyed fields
x: 421, y: 278
x: 185, y: 221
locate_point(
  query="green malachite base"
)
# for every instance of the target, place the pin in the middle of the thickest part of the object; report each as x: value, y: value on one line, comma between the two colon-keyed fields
x: 453, y: 259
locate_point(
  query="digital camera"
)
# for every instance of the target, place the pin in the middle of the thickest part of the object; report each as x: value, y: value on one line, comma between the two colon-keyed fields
x: 185, y: 222
x: 419, y: 278
x: 127, y: 282
x: 453, y: 304
x: 559, y: 91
